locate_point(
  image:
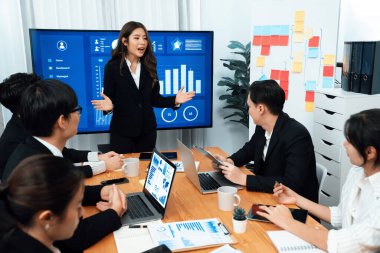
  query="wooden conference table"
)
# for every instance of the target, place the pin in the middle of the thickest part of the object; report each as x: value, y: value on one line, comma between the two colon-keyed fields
x: 186, y: 203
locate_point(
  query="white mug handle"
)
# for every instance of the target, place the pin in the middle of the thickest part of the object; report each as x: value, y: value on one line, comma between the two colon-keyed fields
x: 238, y: 199
x: 124, y: 168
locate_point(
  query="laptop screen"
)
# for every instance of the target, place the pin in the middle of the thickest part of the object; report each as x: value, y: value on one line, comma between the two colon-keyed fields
x: 160, y: 178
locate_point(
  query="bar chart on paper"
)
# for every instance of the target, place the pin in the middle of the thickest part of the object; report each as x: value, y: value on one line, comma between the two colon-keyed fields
x: 189, y: 234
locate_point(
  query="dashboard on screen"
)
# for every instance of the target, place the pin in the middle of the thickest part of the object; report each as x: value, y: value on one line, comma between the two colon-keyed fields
x: 78, y: 57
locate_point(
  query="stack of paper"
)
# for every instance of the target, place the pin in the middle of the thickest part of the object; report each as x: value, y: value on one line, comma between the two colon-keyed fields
x: 288, y: 243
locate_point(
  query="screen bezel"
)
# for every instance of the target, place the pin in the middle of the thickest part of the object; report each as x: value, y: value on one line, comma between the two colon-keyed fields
x: 31, y: 30
x: 147, y: 194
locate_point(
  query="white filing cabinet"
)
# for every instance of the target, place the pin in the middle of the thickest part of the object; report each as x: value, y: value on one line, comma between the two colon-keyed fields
x: 332, y: 108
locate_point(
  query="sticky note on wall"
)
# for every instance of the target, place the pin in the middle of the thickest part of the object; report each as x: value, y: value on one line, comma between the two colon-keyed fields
x: 260, y: 61
x: 328, y: 59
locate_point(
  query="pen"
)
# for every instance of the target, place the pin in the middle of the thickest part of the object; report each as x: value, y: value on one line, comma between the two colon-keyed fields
x: 138, y: 226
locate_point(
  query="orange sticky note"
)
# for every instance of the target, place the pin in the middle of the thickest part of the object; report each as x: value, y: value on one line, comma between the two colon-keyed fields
x: 309, y: 96
x: 284, y: 75
x: 328, y: 71
x: 256, y: 40
x: 265, y: 50
x: 314, y: 41
x: 283, y: 40
x: 275, y: 74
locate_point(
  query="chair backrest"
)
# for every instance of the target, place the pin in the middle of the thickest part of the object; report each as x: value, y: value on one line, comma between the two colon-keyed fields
x: 321, y: 175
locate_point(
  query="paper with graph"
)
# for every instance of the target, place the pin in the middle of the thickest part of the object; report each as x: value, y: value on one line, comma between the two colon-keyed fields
x: 190, y: 234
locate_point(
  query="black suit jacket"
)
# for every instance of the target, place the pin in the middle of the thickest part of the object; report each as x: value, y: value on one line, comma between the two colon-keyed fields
x: 91, y: 229
x: 15, y: 134
x: 133, y: 114
x: 290, y: 159
x: 88, y: 232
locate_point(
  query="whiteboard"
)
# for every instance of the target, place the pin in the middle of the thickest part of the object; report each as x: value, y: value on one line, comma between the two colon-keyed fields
x: 320, y: 19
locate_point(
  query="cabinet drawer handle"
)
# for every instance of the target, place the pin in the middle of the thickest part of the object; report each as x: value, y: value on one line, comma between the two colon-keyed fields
x: 328, y: 128
x: 329, y: 112
x: 330, y: 96
x: 327, y: 158
x: 328, y: 195
x: 327, y: 143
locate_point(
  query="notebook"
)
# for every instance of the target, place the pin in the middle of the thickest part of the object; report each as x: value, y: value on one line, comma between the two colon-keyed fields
x: 288, y: 243
x: 205, y: 182
x: 150, y: 204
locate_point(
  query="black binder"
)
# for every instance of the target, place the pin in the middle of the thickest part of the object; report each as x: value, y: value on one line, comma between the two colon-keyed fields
x: 370, y: 76
x: 356, y: 65
x: 346, y: 70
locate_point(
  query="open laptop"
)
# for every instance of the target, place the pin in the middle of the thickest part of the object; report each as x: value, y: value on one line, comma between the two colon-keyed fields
x: 150, y: 204
x: 205, y: 182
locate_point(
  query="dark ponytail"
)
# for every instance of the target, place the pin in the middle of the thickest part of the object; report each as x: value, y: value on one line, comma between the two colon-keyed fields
x: 42, y: 182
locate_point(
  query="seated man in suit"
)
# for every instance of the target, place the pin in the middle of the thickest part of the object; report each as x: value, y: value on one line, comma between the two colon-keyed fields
x: 49, y: 111
x: 281, y: 147
x: 11, y: 90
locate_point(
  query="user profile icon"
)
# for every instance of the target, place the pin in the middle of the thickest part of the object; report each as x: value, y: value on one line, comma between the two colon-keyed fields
x: 61, y: 45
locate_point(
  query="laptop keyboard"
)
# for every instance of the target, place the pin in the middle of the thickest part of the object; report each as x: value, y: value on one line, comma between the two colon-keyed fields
x: 207, y: 182
x: 137, y: 208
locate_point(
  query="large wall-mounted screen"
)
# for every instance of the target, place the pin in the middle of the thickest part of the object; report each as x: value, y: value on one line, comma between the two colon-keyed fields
x: 78, y: 57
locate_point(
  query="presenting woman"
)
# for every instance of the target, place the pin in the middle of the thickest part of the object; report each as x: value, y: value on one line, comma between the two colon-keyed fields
x: 131, y: 90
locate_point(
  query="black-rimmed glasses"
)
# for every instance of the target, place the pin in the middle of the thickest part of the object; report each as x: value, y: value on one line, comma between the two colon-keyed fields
x: 78, y: 109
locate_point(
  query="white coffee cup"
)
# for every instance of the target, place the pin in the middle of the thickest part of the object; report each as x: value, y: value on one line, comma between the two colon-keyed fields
x: 131, y: 167
x: 226, y: 198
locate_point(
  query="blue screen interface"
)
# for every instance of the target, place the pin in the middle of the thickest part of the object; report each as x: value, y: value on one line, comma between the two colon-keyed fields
x: 159, y: 179
x: 78, y: 57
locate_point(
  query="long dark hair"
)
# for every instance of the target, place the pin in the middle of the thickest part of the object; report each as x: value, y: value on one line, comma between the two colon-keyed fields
x: 41, y: 182
x: 148, y: 59
x: 362, y: 130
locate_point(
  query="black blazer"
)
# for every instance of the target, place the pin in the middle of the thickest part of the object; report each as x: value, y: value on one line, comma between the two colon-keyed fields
x: 91, y: 229
x: 290, y: 159
x: 133, y: 114
x: 15, y: 134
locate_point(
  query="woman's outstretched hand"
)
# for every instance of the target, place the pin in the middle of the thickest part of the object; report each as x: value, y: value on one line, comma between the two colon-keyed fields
x: 183, y: 97
x: 103, y: 104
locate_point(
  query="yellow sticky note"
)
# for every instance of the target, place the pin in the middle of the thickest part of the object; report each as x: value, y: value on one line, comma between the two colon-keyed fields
x: 142, y: 182
x: 298, y: 37
x: 297, y: 67
x: 308, y: 33
x: 309, y: 106
x: 297, y: 56
x: 260, y: 61
x: 328, y: 59
x: 300, y: 16
x: 298, y: 26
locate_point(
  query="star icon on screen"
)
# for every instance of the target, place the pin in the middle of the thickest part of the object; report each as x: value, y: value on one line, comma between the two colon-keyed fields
x: 177, y: 44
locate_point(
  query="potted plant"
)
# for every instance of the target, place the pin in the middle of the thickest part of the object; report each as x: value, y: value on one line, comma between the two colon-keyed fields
x: 237, y: 87
x: 239, y: 220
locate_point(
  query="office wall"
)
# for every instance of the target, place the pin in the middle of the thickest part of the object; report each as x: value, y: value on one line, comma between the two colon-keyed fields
x: 230, y: 20
x: 359, y: 21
